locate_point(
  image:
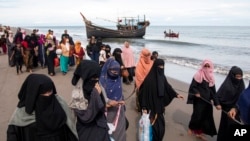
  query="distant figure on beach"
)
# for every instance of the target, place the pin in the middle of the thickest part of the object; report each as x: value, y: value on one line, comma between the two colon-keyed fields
x: 102, y: 55
x: 34, y: 46
x: 91, y: 123
x: 3, y: 39
x: 18, y: 36
x: 110, y: 80
x: 28, y: 53
x: 78, y: 52
x: 50, y: 57
x: 108, y: 51
x: 117, y: 55
x: 71, y: 52
x: 41, y: 51
x: 96, y: 49
x: 41, y: 114
x: 228, y: 95
x: 201, y: 92
x: 10, y: 45
x: 17, y: 56
x: 154, y: 55
x: 242, y: 107
x: 64, y: 58
x: 128, y: 59
x: 90, y: 46
x: 65, y: 34
x: 154, y: 91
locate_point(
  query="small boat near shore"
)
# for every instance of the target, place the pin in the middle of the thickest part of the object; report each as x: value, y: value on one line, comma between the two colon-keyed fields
x: 127, y: 27
x: 171, y: 34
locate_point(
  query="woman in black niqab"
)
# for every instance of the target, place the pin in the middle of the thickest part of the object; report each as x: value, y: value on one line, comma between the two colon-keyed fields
x: 91, y: 122
x: 37, y: 97
x: 228, y: 95
x: 154, y: 94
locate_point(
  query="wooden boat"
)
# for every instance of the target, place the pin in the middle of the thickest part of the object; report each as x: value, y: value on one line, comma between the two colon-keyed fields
x: 171, y: 34
x: 127, y: 27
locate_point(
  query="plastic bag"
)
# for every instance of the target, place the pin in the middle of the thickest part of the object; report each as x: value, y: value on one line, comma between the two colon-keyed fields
x: 78, y: 101
x: 145, y: 128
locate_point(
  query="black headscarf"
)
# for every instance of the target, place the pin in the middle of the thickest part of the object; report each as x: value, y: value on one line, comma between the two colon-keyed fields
x: 34, y: 85
x: 48, y: 112
x: 231, y: 88
x: 117, y: 54
x: 155, y: 92
x: 87, y: 70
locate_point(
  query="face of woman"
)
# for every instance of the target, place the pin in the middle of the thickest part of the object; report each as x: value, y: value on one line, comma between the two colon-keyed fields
x: 207, y: 66
x: 49, y: 93
x: 238, y: 76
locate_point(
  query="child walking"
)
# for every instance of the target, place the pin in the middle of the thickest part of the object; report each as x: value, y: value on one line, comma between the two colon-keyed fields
x: 18, y: 57
x: 102, y: 57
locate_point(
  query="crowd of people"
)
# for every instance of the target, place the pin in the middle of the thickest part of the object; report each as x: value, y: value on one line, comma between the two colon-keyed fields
x: 104, y: 116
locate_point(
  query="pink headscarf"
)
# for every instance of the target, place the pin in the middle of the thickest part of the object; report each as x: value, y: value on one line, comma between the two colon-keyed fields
x: 205, y: 73
x: 41, y: 39
x: 128, y: 56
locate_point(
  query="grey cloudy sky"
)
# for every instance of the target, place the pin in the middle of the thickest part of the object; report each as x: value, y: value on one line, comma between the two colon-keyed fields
x: 159, y: 12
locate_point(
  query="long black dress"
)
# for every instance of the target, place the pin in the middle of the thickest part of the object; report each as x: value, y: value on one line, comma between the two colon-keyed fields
x: 228, y: 95
x: 154, y: 94
x: 202, y: 117
x: 91, y: 123
x: 38, y: 117
x: 51, y: 55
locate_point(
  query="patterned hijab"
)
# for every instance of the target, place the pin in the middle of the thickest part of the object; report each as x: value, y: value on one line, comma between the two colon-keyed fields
x: 111, y: 81
x: 244, y: 105
x: 206, y: 73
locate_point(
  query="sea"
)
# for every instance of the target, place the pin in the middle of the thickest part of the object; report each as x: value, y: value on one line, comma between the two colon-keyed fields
x: 226, y: 46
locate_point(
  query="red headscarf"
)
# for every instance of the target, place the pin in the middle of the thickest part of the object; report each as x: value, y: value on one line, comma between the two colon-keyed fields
x: 205, y: 73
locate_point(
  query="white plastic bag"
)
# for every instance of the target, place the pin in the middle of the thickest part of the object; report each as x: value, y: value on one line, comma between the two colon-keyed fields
x: 145, y: 128
x: 78, y: 101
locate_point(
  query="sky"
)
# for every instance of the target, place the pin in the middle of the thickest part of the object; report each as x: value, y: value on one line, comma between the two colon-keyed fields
x: 105, y: 12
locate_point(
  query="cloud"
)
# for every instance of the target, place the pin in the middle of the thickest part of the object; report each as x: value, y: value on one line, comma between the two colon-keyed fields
x: 159, y: 12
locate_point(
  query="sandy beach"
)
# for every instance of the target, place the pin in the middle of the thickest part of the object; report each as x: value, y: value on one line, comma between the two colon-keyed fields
x: 177, y: 113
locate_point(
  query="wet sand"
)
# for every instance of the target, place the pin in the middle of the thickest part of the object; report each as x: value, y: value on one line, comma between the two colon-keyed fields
x: 177, y: 114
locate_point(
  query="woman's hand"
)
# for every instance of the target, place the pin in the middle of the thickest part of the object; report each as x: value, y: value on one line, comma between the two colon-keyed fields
x: 218, y: 107
x: 97, y: 86
x: 198, y: 95
x: 180, y: 96
x: 232, y: 113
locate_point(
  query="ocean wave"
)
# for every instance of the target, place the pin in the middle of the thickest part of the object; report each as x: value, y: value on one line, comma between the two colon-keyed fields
x: 195, y: 64
x: 145, y: 41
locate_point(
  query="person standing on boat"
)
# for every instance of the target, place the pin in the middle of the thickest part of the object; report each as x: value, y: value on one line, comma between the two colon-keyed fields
x: 128, y: 62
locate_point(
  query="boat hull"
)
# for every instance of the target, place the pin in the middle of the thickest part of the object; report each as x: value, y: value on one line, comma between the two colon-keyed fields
x: 97, y: 31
